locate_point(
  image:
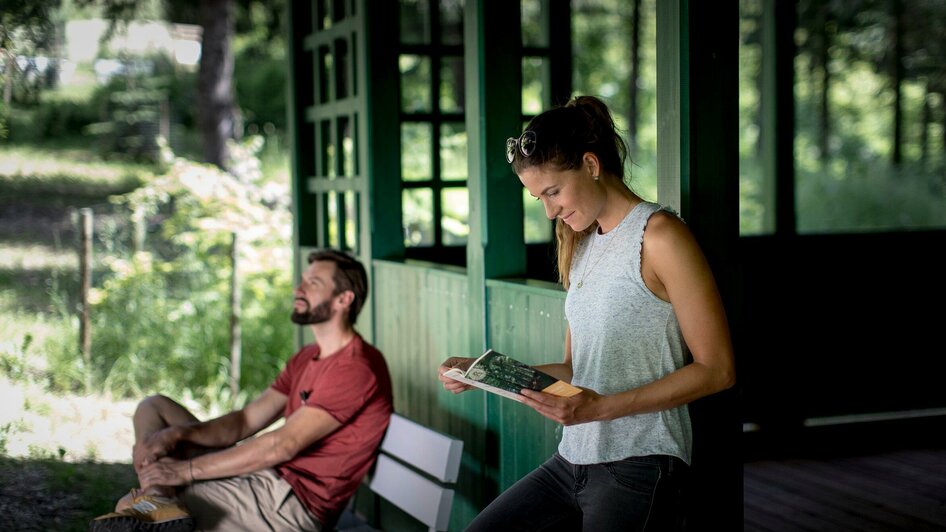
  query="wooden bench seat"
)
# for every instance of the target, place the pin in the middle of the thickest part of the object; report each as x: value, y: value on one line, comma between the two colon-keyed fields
x: 416, y: 470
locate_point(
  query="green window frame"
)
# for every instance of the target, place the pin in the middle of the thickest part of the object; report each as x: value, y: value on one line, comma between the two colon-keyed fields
x: 432, y: 127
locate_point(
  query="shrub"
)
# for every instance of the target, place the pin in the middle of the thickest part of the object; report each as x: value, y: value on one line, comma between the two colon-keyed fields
x: 161, y: 317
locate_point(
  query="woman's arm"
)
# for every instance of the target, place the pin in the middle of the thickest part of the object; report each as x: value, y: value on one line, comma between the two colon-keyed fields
x: 675, y: 270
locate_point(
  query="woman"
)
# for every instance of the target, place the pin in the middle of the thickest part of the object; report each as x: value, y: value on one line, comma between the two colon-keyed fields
x: 640, y: 297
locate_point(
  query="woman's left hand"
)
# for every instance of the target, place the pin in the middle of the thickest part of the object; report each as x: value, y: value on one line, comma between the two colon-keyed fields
x: 579, y: 408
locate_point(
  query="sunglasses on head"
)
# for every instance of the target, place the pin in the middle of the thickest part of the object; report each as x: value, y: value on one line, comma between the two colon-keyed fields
x: 525, y: 144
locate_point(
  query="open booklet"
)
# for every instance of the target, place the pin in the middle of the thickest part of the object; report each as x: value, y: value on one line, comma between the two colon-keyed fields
x: 506, y: 376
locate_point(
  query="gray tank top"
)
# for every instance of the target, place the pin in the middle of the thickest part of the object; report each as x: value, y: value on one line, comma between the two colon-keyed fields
x: 623, y: 336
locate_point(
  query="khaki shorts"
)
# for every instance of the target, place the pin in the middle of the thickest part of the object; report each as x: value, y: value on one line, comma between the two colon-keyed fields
x: 253, y: 502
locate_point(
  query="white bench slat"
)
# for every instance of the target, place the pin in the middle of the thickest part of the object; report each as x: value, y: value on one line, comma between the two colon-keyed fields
x: 423, y: 499
x: 433, y: 453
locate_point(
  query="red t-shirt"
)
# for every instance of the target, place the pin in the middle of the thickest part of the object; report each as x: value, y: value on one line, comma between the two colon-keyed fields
x: 354, y: 387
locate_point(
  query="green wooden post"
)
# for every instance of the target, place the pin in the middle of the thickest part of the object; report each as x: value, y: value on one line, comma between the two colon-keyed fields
x: 697, y: 86
x: 783, y: 90
x: 300, y: 96
x: 381, y: 153
x: 496, y: 247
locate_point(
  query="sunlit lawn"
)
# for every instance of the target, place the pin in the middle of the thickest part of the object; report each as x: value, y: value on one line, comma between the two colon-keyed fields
x: 57, y: 446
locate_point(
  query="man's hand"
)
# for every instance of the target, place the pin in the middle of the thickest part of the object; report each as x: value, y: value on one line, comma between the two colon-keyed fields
x: 579, y: 408
x: 453, y: 385
x: 155, y: 446
x: 165, y: 472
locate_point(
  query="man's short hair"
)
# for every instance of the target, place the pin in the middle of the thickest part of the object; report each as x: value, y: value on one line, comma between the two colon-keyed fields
x: 350, y: 274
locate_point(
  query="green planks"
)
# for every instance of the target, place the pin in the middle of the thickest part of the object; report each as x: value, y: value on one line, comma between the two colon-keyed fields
x: 527, y: 321
x: 422, y: 318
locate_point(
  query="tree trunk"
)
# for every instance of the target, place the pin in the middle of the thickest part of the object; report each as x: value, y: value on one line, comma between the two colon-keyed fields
x: 633, y: 111
x: 9, y: 71
x: 217, y: 110
x: 942, y: 165
x: 926, y: 117
x: 897, y: 78
x: 824, y: 59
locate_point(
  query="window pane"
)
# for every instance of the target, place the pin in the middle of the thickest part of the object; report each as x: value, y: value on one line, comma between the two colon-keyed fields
x: 453, y: 164
x: 415, y: 83
x: 451, y: 85
x: 853, y: 171
x: 415, y: 22
x: 537, y: 226
x: 328, y: 150
x: 535, y: 82
x: 455, y: 223
x: 338, y: 10
x: 325, y: 73
x: 322, y: 15
x: 416, y: 150
x: 351, y: 221
x: 534, y: 23
x: 418, y: 223
x: 451, y: 21
x: 331, y: 209
x: 348, y: 146
x: 341, y: 69
x: 601, y: 65
x: 756, y: 189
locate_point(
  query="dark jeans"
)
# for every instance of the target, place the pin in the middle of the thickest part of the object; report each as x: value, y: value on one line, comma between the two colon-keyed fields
x: 637, y: 493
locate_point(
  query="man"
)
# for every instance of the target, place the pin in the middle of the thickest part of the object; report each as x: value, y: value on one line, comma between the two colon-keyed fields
x: 335, y: 396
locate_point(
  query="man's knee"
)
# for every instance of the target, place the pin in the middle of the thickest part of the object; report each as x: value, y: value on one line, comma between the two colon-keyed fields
x: 154, y: 403
x: 164, y: 409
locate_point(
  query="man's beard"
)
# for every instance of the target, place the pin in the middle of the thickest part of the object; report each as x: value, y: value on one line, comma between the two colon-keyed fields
x: 311, y: 316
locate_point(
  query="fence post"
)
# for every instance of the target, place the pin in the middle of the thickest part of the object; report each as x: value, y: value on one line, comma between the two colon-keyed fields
x: 235, y: 332
x: 85, y: 274
x: 139, y: 227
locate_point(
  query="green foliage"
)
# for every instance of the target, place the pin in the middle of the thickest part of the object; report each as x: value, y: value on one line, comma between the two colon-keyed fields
x: 3, y: 121
x: 172, y: 301
x: 874, y: 197
x: 261, y: 86
x: 135, y: 105
x: 260, y: 65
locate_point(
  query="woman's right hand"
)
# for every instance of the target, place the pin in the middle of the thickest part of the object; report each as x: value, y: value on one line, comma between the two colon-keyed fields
x: 452, y: 385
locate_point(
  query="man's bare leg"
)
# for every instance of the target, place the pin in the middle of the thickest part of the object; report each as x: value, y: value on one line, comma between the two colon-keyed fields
x: 155, y: 413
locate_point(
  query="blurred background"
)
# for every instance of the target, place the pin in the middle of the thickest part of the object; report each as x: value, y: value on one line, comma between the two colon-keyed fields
x: 145, y: 204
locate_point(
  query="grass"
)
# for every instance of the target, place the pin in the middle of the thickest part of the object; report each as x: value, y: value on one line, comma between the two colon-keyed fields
x: 49, y: 494
x: 66, y: 170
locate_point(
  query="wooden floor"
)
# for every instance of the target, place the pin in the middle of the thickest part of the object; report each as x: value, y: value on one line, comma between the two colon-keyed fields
x: 899, y: 487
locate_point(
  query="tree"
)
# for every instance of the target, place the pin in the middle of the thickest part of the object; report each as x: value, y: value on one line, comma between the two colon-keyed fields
x: 218, y: 113
x: 217, y: 110
x: 24, y: 24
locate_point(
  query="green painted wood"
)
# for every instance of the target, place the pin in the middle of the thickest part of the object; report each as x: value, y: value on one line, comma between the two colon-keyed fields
x: 698, y: 150
x: 528, y: 323
x: 495, y: 246
x: 301, y: 96
x: 423, y: 317
x: 380, y: 154
x: 784, y: 102
x: 560, y: 51
x: 493, y: 65
x: 670, y: 104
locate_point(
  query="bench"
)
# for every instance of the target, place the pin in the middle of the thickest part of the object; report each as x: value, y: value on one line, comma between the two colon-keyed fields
x: 416, y: 470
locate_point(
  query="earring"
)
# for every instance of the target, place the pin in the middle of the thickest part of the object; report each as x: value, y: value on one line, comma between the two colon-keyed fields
x: 595, y: 177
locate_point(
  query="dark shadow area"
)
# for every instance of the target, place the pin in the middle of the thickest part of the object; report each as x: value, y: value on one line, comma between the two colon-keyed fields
x: 47, y: 494
x: 854, y: 439
x: 887, y: 475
